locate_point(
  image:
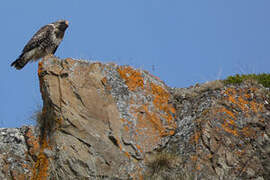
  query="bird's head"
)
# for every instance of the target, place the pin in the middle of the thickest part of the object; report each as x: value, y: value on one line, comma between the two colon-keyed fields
x: 62, y: 25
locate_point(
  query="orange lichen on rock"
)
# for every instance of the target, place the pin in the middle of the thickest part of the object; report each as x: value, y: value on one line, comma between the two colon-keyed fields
x: 32, y: 142
x: 127, y: 154
x: 139, y: 147
x: 239, y: 99
x: 196, y: 137
x: 121, y: 147
x: 42, y: 163
x: 153, y: 119
x: 149, y: 128
x: 40, y: 68
x: 133, y: 78
x: 59, y: 122
x: 41, y: 80
x: 248, y: 132
x: 161, y: 99
x: 194, y: 158
x: 228, y: 129
x: 16, y: 176
x: 160, y: 96
x: 229, y: 120
x: 230, y: 113
x: 242, y: 99
x: 40, y: 171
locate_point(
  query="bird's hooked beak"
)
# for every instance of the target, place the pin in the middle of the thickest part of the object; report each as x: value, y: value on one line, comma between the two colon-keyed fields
x: 66, y: 22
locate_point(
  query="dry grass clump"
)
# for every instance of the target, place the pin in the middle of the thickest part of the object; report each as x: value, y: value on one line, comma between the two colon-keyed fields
x: 37, y: 116
x: 165, y: 166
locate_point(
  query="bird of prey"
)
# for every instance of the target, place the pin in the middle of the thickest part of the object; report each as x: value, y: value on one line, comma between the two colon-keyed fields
x: 44, y: 42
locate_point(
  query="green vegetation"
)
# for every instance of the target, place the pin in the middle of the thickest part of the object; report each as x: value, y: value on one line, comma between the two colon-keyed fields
x: 263, y: 79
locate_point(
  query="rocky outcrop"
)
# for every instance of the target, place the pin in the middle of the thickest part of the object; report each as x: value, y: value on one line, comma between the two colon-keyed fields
x: 223, y: 131
x: 19, y: 148
x: 104, y: 121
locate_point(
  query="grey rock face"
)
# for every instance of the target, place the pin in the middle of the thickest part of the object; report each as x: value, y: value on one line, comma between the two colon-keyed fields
x: 16, y: 160
x: 104, y: 121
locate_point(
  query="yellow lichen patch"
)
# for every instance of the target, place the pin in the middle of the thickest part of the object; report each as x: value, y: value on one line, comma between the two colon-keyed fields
x: 41, y: 81
x: 228, y: 129
x: 139, y: 147
x: 155, y: 120
x: 143, y: 130
x: 59, y: 122
x: 230, y: 113
x: 161, y: 99
x: 149, y: 127
x: 127, y: 154
x: 194, y: 158
x: 172, y: 109
x: 239, y: 99
x: 133, y: 78
x: 126, y: 127
x: 248, y: 132
x: 122, y: 120
x: 40, y: 68
x: 228, y: 120
x: 160, y: 96
x: 256, y: 107
x: 198, y: 167
x: 32, y: 142
x: 151, y: 117
x: 243, y: 104
x: 42, y: 164
x: 121, y: 148
x: 196, y: 137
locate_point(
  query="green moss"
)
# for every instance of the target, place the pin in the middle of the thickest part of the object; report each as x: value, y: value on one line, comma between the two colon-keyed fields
x: 263, y: 79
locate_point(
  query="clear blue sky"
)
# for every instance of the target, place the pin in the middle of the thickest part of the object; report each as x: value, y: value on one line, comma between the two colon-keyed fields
x: 182, y: 41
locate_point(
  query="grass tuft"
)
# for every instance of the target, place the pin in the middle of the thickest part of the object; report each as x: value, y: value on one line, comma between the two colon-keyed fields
x: 160, y: 162
x: 37, y: 116
x: 165, y: 166
x: 263, y: 79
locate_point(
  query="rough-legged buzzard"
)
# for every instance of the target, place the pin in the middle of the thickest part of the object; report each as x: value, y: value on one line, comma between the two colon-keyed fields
x: 44, y: 42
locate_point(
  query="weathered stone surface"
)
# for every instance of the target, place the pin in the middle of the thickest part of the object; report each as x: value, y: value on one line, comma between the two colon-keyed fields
x: 17, y: 152
x: 101, y: 119
x: 223, y: 132
x: 104, y: 121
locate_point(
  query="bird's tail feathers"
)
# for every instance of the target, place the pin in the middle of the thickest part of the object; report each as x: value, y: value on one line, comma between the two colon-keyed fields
x: 19, y: 63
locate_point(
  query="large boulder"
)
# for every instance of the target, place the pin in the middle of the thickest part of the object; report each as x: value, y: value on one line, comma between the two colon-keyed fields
x: 100, y: 120
x: 105, y: 121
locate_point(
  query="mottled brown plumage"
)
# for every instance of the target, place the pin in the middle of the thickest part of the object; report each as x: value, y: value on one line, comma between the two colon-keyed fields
x: 44, y: 42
